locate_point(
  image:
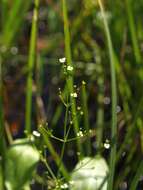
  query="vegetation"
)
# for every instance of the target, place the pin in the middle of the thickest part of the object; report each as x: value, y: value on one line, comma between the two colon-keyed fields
x: 71, y: 98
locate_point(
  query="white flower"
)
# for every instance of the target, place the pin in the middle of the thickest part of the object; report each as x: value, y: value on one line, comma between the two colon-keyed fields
x: 62, y: 60
x: 69, y: 68
x: 36, y: 133
x: 74, y: 95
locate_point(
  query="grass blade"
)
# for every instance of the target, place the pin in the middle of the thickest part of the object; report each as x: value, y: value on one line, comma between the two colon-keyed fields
x: 86, y: 116
x: 13, y: 21
x: 114, y: 99
x: 2, y: 136
x: 31, y: 61
x: 133, y: 32
x: 139, y: 173
x: 100, y: 97
x: 4, y: 10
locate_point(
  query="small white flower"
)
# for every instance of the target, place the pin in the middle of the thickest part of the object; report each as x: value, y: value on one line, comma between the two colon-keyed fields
x: 78, y: 108
x: 36, y: 133
x: 74, y: 95
x: 80, y: 134
x: 64, y: 186
x: 107, y: 144
x: 69, y: 68
x: 62, y: 60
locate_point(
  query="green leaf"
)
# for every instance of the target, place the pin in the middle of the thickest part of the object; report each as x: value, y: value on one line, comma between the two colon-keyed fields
x: 20, y: 163
x: 90, y: 174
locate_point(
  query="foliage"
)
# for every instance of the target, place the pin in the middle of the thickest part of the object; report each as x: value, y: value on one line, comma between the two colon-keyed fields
x: 71, y: 77
x: 20, y: 162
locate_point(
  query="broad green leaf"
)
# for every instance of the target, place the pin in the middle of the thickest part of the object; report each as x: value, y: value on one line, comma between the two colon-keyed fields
x: 90, y: 174
x: 20, y: 163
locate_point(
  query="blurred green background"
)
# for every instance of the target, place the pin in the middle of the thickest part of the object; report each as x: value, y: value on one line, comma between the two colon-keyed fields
x: 91, y: 60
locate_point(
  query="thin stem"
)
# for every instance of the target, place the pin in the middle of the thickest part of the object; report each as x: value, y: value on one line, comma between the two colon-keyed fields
x: 66, y: 140
x: 65, y: 135
x: 48, y: 167
x: 54, y: 153
x: 31, y: 61
x: 100, y: 97
x: 114, y: 99
x: 133, y: 32
x: 2, y: 136
x: 86, y: 117
x: 70, y: 77
x: 1, y: 103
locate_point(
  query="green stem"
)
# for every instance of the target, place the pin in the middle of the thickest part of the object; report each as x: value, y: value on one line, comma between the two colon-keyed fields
x: 65, y: 134
x: 2, y: 135
x: 86, y: 117
x: 100, y: 97
x: 59, y: 109
x: 31, y: 61
x: 4, y: 11
x: 12, y: 21
x: 53, y: 153
x: 48, y: 167
x: 70, y: 80
x: 114, y: 100
x: 132, y: 28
